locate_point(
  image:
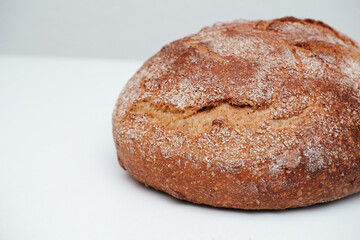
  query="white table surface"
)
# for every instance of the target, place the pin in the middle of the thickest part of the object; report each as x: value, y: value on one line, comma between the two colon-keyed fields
x: 59, y: 176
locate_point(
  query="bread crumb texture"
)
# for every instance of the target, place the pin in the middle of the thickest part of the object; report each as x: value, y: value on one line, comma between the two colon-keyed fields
x: 246, y: 114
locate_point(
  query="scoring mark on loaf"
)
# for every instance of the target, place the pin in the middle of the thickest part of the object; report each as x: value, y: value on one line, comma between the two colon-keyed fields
x: 202, y: 49
x: 218, y: 114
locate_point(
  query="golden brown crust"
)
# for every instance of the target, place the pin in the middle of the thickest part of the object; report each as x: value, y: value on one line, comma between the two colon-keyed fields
x: 247, y: 114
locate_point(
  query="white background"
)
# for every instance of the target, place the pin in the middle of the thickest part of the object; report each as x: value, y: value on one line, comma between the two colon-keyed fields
x: 59, y: 176
x: 136, y: 29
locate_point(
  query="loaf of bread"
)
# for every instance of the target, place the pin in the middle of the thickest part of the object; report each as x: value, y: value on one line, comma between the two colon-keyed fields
x: 246, y: 114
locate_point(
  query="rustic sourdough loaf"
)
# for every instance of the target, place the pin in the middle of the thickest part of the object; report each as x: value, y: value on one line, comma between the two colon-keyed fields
x: 247, y: 114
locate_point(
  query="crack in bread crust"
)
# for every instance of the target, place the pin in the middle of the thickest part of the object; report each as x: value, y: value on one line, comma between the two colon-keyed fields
x: 199, y: 121
x: 201, y: 48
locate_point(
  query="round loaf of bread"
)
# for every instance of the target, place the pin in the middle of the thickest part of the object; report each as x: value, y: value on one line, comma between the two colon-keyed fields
x: 246, y: 114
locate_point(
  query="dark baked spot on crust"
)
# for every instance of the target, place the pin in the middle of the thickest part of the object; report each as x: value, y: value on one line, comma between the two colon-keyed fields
x: 217, y: 122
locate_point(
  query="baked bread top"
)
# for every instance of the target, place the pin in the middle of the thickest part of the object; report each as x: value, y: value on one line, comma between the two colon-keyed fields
x: 268, y: 105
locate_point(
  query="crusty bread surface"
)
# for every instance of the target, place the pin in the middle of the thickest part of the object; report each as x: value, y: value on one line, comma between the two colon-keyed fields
x: 246, y: 114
